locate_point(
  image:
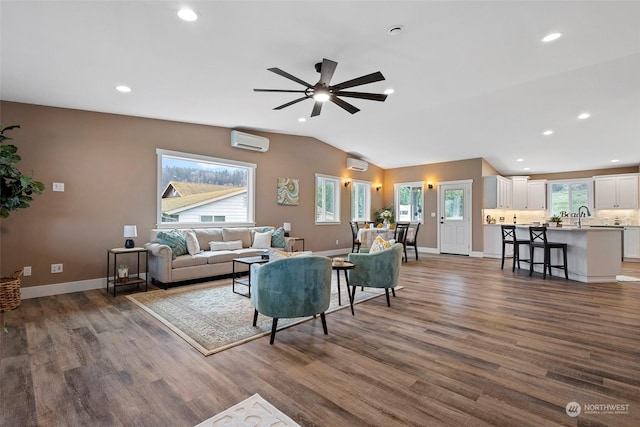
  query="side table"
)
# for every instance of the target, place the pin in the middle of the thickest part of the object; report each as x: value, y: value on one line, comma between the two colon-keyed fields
x: 236, y: 280
x: 136, y: 279
x: 297, y: 239
x: 339, y: 266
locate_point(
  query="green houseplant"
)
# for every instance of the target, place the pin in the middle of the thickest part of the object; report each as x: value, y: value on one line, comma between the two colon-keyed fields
x: 557, y: 219
x: 16, y: 189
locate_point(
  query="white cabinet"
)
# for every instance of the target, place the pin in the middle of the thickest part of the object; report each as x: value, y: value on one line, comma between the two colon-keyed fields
x: 497, y: 192
x: 529, y: 195
x: 631, y: 250
x: 616, y: 191
x: 493, y: 242
x: 537, y: 195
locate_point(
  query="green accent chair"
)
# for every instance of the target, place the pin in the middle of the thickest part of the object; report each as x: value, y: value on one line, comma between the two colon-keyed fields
x: 376, y: 270
x: 291, y: 287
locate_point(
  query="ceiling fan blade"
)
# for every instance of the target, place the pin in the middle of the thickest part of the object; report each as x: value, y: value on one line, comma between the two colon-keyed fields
x: 340, y: 103
x: 316, y: 108
x: 279, y: 90
x: 279, y: 72
x: 363, y: 95
x: 326, y: 71
x: 291, y: 103
x: 369, y: 78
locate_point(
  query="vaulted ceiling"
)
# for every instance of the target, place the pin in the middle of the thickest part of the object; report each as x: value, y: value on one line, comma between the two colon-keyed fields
x: 471, y: 78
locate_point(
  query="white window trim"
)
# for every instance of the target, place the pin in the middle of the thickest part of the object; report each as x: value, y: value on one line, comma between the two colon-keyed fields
x: 396, y: 205
x: 590, y: 195
x: 336, y: 202
x: 251, y: 188
x: 367, y: 208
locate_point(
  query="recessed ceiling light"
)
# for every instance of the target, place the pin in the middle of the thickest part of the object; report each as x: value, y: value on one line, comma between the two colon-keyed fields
x: 584, y: 116
x: 302, y: 120
x: 123, y: 89
x: 551, y: 37
x: 395, y: 30
x: 547, y: 132
x: 615, y: 160
x: 526, y: 169
x: 389, y: 91
x: 187, y: 15
x: 519, y: 160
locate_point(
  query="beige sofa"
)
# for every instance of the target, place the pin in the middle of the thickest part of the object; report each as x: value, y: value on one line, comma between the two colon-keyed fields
x: 166, y: 268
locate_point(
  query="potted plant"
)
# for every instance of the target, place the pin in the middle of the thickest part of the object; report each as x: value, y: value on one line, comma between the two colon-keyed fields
x: 557, y: 219
x: 16, y: 189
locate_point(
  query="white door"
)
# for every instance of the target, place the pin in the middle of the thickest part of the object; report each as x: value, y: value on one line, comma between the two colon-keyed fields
x: 454, y: 206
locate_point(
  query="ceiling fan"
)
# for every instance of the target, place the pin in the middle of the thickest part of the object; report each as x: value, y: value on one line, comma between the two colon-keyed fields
x: 323, y: 91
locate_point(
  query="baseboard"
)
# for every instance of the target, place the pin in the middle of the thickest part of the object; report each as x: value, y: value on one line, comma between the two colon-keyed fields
x: 63, y: 288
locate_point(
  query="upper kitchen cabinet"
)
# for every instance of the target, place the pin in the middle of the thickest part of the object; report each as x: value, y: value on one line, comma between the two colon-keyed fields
x: 529, y: 195
x: 497, y: 192
x: 616, y: 191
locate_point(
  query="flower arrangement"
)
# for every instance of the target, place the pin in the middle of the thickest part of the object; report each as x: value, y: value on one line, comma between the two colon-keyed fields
x: 385, y: 215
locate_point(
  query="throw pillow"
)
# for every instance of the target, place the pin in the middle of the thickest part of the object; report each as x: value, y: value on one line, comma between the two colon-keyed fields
x: 175, y: 240
x: 276, y: 254
x: 262, y: 240
x: 193, y: 246
x: 225, y: 246
x: 380, y: 244
x: 277, y: 238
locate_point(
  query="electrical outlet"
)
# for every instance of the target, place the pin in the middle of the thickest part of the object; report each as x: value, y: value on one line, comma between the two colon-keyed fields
x: 337, y: 242
x: 56, y: 268
x: 58, y: 186
x: 26, y: 271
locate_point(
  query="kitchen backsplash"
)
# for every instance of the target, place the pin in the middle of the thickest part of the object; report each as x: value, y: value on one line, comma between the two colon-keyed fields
x: 599, y: 217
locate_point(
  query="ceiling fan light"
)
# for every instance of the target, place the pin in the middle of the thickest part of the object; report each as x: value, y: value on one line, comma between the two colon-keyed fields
x: 321, y: 96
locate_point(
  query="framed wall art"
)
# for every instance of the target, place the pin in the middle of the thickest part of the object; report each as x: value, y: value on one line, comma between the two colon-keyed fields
x: 288, y: 191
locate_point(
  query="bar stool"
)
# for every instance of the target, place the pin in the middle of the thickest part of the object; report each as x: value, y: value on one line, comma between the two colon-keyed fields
x: 509, y: 238
x: 538, y: 236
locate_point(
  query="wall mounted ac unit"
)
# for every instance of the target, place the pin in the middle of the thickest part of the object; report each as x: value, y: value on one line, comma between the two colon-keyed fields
x: 247, y: 141
x: 357, y: 165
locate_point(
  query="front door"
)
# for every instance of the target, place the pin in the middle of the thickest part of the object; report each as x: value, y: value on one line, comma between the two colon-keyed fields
x: 454, y: 206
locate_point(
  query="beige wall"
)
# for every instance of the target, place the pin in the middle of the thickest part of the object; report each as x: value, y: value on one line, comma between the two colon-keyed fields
x: 108, y: 165
x: 435, y: 173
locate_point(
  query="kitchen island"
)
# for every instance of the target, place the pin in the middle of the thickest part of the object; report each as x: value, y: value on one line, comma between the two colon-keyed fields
x: 594, y: 254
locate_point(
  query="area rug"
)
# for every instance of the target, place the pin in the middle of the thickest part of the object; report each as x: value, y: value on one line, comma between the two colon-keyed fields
x: 253, y: 411
x: 627, y: 279
x: 212, y: 318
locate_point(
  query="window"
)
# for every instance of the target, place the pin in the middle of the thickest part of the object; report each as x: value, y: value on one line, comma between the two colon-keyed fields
x: 454, y: 204
x: 199, y: 190
x: 327, y: 199
x: 565, y: 197
x: 408, y: 201
x: 360, y: 201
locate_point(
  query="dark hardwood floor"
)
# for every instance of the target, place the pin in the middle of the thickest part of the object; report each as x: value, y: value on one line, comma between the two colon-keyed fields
x: 464, y: 343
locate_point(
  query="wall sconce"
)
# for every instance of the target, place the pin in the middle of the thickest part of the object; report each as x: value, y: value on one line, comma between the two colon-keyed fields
x: 378, y: 187
x: 430, y: 186
x: 129, y: 232
x: 287, y: 228
x: 346, y: 183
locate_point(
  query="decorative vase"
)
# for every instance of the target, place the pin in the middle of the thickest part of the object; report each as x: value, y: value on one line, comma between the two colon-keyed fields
x: 386, y: 224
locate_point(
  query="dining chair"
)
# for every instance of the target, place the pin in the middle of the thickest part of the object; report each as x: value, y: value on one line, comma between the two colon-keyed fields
x: 355, y: 243
x: 412, y: 240
x: 400, y: 236
x: 538, y: 237
x: 509, y: 238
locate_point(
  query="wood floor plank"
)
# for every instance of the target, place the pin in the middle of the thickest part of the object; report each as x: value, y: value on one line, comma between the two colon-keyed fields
x: 463, y: 343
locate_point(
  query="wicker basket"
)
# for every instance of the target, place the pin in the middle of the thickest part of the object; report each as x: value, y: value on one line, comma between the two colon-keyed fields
x: 10, y: 291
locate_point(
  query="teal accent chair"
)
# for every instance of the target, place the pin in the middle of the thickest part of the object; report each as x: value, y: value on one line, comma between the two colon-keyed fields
x: 376, y: 270
x: 291, y: 287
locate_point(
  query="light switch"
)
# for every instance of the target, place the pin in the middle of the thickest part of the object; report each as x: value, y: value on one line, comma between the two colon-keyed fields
x: 58, y: 186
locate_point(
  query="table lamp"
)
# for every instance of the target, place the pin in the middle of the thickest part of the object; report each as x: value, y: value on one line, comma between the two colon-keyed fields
x: 129, y: 232
x: 287, y: 228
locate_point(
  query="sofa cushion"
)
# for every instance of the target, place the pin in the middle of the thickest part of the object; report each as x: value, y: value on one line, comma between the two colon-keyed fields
x: 262, y: 240
x: 206, y: 235
x: 225, y: 246
x: 175, y: 240
x: 239, y: 233
x: 277, y: 238
x: 193, y: 246
x: 219, y: 256
x: 188, y: 261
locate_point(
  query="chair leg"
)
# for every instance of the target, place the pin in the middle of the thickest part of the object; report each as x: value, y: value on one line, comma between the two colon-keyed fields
x: 415, y: 248
x: 255, y: 317
x: 393, y: 291
x: 386, y: 291
x: 516, y: 257
x: 531, y: 253
x: 274, y: 326
x: 564, y: 256
x: 546, y: 264
x: 324, y: 323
